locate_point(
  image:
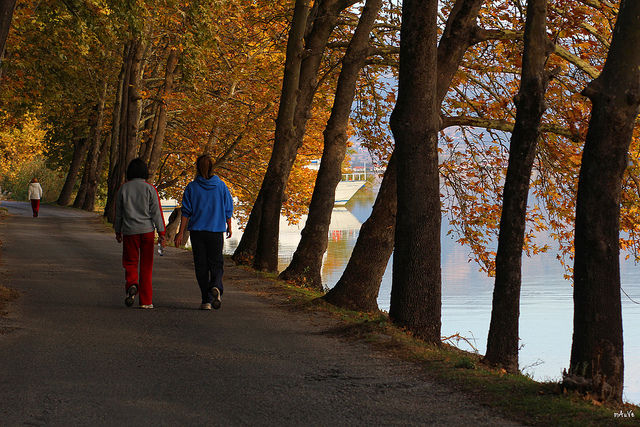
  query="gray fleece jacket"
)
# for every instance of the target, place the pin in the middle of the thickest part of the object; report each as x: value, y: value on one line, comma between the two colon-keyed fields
x: 138, y: 209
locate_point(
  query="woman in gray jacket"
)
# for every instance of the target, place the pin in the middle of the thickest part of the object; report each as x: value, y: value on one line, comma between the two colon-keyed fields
x: 138, y: 213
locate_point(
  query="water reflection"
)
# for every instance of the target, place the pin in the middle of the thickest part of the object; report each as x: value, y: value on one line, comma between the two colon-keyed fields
x: 546, y: 312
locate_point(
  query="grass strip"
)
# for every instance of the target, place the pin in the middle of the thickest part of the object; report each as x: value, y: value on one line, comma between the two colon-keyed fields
x: 515, y: 396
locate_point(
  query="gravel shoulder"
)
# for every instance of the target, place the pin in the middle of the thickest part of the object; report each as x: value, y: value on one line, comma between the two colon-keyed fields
x: 72, y: 353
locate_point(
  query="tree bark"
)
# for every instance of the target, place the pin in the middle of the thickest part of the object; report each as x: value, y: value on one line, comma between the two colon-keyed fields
x: 96, y: 172
x: 173, y: 225
x: 290, y: 133
x: 125, y: 127
x: 149, y: 126
x: 91, y: 162
x: 94, y: 177
x: 80, y: 146
x: 134, y: 100
x: 502, y: 343
x: 360, y: 283
x: 299, y: 85
x: 153, y: 153
x: 306, y: 263
x: 597, y: 349
x: 6, y: 15
x: 416, y: 289
x: 84, y: 182
x: 113, y: 178
x: 284, y: 128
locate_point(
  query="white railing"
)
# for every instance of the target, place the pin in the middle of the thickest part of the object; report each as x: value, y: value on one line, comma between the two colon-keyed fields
x: 355, y: 176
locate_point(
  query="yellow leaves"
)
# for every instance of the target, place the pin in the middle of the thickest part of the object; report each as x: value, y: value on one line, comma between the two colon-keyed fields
x: 19, y: 144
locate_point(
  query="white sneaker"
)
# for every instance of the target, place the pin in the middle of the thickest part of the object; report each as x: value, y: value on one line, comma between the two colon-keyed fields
x: 217, y: 299
x: 147, y: 306
x: 205, y: 306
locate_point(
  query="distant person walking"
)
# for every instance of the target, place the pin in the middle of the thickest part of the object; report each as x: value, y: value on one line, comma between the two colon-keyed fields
x: 138, y: 213
x: 207, y: 208
x: 35, y: 194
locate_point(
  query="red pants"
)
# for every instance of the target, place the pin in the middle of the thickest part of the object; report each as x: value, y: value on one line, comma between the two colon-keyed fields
x: 139, y: 247
x: 35, y: 206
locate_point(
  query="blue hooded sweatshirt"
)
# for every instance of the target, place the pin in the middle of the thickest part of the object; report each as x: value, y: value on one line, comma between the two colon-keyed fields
x: 208, y: 204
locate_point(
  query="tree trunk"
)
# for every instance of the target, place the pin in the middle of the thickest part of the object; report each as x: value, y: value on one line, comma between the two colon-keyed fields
x: 361, y: 279
x: 6, y: 15
x: 246, y: 249
x: 299, y: 86
x: 134, y: 100
x: 128, y: 122
x: 289, y: 139
x: 596, y: 352
x: 173, y: 225
x: 96, y: 170
x: 94, y: 178
x: 502, y: 343
x: 113, y: 178
x: 157, y: 140
x: 150, y: 125
x: 416, y: 289
x: 80, y: 146
x: 93, y: 151
x: 84, y: 181
x: 359, y: 285
x: 307, y: 260
x: 284, y: 128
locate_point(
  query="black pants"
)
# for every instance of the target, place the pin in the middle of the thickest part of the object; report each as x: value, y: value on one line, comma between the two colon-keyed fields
x: 208, y: 262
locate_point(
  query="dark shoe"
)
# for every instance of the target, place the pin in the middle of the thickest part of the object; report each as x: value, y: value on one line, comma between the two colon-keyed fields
x: 131, y: 295
x: 217, y: 300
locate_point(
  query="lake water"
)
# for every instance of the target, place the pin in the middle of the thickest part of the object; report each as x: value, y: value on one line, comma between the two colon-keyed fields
x: 546, y: 311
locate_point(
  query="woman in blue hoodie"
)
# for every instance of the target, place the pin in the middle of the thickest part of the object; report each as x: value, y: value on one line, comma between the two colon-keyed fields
x: 207, y: 208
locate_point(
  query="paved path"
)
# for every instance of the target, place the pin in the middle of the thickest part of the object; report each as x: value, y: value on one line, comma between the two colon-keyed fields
x: 71, y: 353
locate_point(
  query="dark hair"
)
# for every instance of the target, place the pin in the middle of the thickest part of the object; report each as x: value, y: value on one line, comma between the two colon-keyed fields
x: 204, y: 164
x: 137, y: 169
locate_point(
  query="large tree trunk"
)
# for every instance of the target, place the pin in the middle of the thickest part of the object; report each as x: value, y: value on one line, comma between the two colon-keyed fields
x: 359, y: 285
x: 502, y: 343
x: 289, y: 138
x: 112, y: 179
x: 299, y: 86
x: 96, y: 170
x: 416, y: 289
x: 284, y: 126
x: 6, y: 14
x: 361, y: 279
x: 274, y: 182
x: 84, y: 182
x: 153, y: 152
x: 246, y: 249
x: 94, y: 150
x: 95, y: 175
x: 130, y: 108
x: 80, y: 146
x: 307, y: 260
x: 134, y: 104
x: 596, y: 352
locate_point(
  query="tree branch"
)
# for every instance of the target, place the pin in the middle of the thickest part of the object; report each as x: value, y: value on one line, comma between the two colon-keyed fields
x: 575, y: 60
x: 597, y: 4
x: 505, y: 126
x: 482, y: 35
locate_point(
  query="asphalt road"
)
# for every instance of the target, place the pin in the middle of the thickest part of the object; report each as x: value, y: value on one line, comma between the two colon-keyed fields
x: 71, y: 353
